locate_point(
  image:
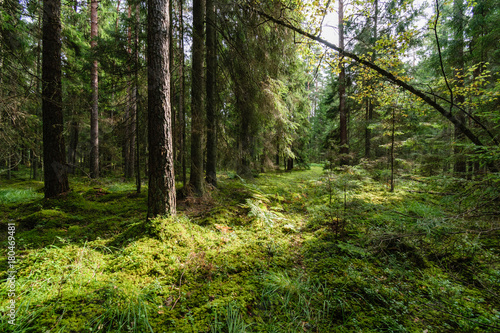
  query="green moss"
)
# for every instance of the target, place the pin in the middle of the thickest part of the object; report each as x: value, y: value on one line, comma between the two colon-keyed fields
x: 90, y: 260
x: 46, y: 218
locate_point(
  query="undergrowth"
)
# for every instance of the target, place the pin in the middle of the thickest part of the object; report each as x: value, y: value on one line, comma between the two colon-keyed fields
x: 306, y: 251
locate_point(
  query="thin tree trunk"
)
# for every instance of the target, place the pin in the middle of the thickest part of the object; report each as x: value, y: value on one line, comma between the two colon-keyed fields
x: 369, y: 102
x: 9, y: 166
x: 368, y: 131
x: 73, y: 144
x: 392, y: 146
x: 94, y: 114
x: 54, y: 159
x: 161, y: 191
x: 460, y: 166
x: 197, y: 123
x: 34, y: 155
x: 278, y: 151
x: 137, y: 98
x: 181, y: 109
x: 126, y: 117
x: 344, y: 148
x: 211, y: 60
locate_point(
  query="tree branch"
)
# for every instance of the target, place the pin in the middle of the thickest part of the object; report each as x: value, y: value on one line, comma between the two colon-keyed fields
x: 468, y: 114
x: 464, y: 129
x: 440, y: 55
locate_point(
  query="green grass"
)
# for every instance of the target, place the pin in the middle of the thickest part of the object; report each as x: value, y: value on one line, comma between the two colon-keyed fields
x: 10, y: 196
x: 302, y: 251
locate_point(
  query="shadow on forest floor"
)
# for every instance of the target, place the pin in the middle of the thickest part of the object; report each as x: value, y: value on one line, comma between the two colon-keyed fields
x: 310, y: 250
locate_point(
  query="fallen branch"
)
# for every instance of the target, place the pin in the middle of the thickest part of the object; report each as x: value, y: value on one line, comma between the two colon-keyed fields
x: 180, y: 293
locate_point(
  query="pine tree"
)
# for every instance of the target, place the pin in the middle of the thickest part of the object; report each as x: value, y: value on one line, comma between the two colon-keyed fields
x: 211, y: 81
x: 94, y: 113
x: 197, y: 92
x: 54, y: 159
x: 161, y: 192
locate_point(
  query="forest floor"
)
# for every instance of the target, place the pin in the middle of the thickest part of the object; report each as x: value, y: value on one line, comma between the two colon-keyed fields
x: 301, y: 251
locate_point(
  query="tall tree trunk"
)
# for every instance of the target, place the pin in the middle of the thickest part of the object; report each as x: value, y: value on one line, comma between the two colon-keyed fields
x: 34, y: 155
x: 54, y: 159
x: 457, y: 61
x: 197, y: 121
x: 94, y: 114
x: 132, y: 131
x: 393, y: 132
x: 245, y: 137
x: 161, y: 191
x: 137, y: 98
x: 129, y: 146
x: 211, y: 172
x: 181, y: 109
x: 369, y: 102
x: 171, y: 52
x: 344, y: 148
x: 126, y: 117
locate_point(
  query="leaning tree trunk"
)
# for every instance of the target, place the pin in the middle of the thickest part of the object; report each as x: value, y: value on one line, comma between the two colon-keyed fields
x: 54, y: 160
x: 161, y: 192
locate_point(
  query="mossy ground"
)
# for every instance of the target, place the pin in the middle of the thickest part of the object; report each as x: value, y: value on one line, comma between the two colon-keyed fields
x: 303, y: 251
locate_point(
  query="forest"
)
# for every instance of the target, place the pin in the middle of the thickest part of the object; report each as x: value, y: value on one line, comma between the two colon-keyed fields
x: 250, y: 166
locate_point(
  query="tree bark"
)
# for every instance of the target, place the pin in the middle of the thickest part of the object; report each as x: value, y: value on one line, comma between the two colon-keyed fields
x: 181, y: 109
x: 94, y: 113
x: 197, y: 123
x: 129, y: 144
x: 161, y: 192
x: 55, y: 173
x: 171, y: 52
x: 135, y: 127
x: 211, y: 60
x: 128, y: 107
